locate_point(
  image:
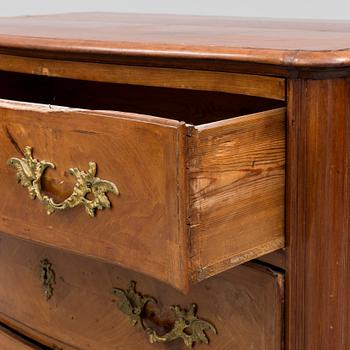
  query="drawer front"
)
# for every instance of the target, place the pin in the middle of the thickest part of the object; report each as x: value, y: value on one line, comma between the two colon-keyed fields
x: 11, y: 341
x: 244, y: 304
x: 138, y: 154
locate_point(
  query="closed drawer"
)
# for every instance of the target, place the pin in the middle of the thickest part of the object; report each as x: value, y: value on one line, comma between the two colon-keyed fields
x: 194, y: 200
x: 244, y: 304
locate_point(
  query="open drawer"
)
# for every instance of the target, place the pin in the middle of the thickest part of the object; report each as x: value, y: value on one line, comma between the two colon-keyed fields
x: 189, y: 201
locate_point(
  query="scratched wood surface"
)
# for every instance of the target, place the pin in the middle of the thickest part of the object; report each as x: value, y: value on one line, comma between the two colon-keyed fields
x: 244, y: 304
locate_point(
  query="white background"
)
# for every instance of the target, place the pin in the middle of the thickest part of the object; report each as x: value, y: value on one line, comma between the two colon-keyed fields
x: 332, y: 9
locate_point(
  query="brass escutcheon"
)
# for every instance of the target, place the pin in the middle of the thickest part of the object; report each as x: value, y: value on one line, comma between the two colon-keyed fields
x: 47, y: 277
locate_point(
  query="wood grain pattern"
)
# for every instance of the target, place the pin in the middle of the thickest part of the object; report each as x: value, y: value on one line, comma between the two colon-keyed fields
x: 11, y: 341
x: 245, y: 84
x: 147, y: 228
x: 237, y: 175
x: 109, y: 37
x: 139, y: 153
x: 245, y: 303
x: 318, y: 214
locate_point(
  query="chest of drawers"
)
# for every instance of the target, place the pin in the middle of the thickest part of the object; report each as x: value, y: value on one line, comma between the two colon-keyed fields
x: 173, y: 182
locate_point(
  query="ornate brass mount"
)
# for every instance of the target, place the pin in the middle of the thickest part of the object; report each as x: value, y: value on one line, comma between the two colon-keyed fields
x: 47, y: 277
x: 30, y: 171
x: 187, y: 325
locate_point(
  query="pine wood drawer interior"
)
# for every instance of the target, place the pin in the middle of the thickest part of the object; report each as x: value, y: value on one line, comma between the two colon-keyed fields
x: 200, y: 173
x: 245, y: 304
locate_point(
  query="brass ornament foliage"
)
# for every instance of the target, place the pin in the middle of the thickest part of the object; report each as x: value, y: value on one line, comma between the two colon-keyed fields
x: 187, y: 325
x: 132, y: 304
x: 29, y: 172
x: 47, y: 277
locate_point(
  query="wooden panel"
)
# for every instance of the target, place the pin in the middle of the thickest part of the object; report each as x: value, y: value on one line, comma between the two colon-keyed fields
x: 245, y: 304
x: 11, y: 341
x: 182, y: 39
x: 277, y: 259
x: 237, y: 170
x: 254, y: 85
x: 196, y: 107
x: 144, y: 228
x: 318, y: 211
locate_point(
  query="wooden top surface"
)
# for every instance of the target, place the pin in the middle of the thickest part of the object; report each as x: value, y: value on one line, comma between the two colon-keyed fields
x: 106, y: 36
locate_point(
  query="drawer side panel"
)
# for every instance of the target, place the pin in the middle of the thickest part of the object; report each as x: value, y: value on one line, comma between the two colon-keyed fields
x: 237, y: 179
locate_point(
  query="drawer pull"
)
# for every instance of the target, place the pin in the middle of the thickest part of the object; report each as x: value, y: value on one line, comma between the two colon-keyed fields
x: 187, y: 325
x: 30, y: 171
x: 47, y: 277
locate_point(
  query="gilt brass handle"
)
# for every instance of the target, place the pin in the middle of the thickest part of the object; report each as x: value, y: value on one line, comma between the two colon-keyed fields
x: 29, y: 172
x: 187, y: 325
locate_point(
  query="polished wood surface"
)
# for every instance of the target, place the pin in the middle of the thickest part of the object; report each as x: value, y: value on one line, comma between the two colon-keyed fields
x: 237, y: 174
x: 107, y: 36
x: 245, y: 304
x: 318, y: 210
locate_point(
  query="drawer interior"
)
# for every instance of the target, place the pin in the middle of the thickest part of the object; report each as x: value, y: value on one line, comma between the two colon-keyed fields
x: 191, y: 106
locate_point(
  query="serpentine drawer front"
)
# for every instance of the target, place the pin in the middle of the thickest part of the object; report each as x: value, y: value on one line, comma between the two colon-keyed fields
x: 156, y: 195
x: 90, y: 305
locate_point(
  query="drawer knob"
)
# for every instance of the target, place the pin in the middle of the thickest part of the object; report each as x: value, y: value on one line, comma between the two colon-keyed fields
x: 29, y: 172
x: 187, y: 325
